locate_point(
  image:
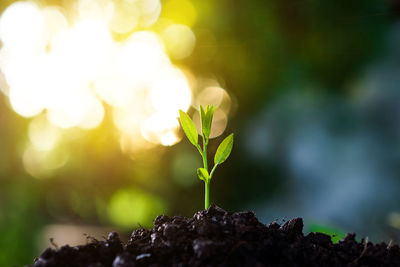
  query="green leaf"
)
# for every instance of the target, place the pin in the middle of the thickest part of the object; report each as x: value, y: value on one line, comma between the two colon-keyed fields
x: 206, y: 120
x: 224, y: 150
x: 189, y: 128
x: 203, y: 174
x: 202, y: 118
x: 209, y: 116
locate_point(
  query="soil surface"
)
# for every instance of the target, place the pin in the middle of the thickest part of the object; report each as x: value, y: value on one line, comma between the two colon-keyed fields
x: 215, y: 237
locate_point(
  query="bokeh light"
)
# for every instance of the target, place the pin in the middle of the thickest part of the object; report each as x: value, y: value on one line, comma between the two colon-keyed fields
x: 180, y: 40
x: 214, y: 95
x: 23, y: 35
x: 161, y: 129
x: 129, y: 207
x: 41, y: 163
x: 180, y: 11
x: 110, y: 72
x: 71, y: 65
x: 96, y: 9
x: 42, y: 134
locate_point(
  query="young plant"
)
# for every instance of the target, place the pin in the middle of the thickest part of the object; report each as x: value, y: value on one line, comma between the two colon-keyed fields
x: 223, y: 151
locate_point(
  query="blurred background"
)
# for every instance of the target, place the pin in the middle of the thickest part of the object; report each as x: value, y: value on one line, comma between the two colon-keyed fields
x: 90, y: 93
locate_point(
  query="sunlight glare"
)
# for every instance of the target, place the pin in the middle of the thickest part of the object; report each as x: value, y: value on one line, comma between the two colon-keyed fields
x: 179, y: 40
x: 150, y: 10
x: 54, y: 21
x: 171, y: 92
x: 42, y: 134
x: 134, y: 143
x: 76, y: 108
x: 21, y: 101
x: 40, y: 164
x: 142, y: 57
x: 113, y: 87
x: 22, y: 27
x: 96, y: 9
x: 125, y: 18
x: 161, y: 128
x: 66, y: 67
x: 84, y: 50
x: 26, y: 94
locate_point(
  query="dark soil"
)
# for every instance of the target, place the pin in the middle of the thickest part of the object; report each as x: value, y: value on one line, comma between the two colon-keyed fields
x: 215, y: 237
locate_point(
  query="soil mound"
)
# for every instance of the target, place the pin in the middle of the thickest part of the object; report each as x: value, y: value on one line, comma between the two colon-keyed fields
x: 215, y: 237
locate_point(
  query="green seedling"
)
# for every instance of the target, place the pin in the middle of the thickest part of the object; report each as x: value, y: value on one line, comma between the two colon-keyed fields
x: 223, y: 151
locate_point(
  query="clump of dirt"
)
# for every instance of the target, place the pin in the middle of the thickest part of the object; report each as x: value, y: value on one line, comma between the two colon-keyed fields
x: 215, y: 237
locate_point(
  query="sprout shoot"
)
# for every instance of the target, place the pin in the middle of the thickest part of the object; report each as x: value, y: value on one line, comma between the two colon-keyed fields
x: 223, y: 151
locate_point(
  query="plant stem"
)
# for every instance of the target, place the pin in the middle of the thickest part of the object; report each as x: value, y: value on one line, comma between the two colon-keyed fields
x: 212, y: 171
x: 206, y: 183
x: 204, y: 154
x: 207, y: 195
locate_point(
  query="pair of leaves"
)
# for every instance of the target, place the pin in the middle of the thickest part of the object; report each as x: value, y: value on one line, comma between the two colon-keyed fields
x: 189, y: 128
x: 206, y: 117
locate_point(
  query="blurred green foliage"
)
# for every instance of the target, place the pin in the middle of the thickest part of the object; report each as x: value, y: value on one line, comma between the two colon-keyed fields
x: 333, y: 232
